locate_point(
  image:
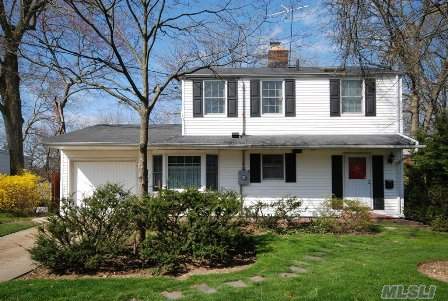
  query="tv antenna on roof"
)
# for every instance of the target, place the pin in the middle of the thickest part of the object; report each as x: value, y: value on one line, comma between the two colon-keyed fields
x: 288, y: 13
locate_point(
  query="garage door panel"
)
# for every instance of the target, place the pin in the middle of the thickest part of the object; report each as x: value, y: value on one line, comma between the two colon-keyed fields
x: 89, y: 175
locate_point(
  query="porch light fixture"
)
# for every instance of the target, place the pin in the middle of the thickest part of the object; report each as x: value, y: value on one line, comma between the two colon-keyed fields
x: 390, y: 158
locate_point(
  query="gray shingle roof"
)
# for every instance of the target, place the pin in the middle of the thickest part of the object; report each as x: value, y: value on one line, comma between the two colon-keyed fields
x: 290, y: 71
x: 170, y: 136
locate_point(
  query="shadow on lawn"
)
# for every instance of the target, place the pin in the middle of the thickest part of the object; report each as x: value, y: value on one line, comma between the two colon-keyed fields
x: 264, y: 242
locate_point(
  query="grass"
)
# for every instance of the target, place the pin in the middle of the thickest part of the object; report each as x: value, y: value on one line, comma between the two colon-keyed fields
x: 355, y: 268
x: 10, y: 223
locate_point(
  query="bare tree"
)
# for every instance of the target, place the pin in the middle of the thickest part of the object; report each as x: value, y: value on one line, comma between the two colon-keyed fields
x: 142, y: 47
x: 16, y: 19
x: 410, y: 35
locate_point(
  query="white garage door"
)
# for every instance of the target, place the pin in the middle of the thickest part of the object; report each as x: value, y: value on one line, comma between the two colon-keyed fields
x: 89, y: 175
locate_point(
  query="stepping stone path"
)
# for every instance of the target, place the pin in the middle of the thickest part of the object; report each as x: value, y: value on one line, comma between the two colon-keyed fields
x: 297, y: 270
x: 313, y: 258
x: 257, y: 279
x: 297, y: 262
x: 173, y: 295
x: 204, y: 288
x: 318, y: 254
x: 236, y: 284
x: 390, y: 228
x: 288, y: 275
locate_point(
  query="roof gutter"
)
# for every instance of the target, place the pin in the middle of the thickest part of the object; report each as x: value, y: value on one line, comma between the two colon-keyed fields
x: 268, y: 75
x: 220, y: 146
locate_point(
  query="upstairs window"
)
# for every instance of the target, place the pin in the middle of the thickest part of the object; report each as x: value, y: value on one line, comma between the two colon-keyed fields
x: 273, y: 167
x: 184, y: 172
x: 272, y: 96
x: 214, y: 96
x: 351, y: 96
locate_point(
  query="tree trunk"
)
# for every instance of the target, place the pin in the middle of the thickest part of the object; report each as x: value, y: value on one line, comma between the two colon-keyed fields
x: 12, y: 111
x: 59, y: 108
x: 415, y: 111
x: 428, y: 117
x: 143, y: 153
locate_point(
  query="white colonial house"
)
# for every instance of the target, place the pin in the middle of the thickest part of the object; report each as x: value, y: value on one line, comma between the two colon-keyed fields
x: 266, y: 133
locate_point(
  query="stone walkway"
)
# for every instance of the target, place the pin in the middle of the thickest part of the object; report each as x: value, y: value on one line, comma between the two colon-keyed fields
x: 14, y: 257
x: 298, y: 267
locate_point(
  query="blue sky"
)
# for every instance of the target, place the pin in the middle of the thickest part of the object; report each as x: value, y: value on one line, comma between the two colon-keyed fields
x: 314, y: 48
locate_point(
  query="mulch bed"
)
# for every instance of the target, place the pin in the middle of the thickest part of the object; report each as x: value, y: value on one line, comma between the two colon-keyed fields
x: 192, y: 270
x: 435, y: 269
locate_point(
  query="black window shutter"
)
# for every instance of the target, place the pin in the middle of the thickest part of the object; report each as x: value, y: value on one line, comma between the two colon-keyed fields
x: 378, y: 182
x: 255, y: 168
x: 197, y: 98
x: 290, y: 167
x: 370, y: 96
x: 157, y: 172
x: 290, y: 98
x: 255, y: 98
x: 211, y: 171
x: 336, y: 176
x: 232, y: 98
x: 335, y: 97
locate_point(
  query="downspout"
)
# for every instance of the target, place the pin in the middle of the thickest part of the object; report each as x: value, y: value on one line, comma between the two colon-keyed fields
x: 399, y: 107
x: 243, y: 152
x: 243, y: 167
x: 244, y: 110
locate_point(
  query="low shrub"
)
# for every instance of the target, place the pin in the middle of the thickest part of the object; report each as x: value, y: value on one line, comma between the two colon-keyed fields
x: 194, y: 227
x: 88, y: 237
x: 20, y: 194
x: 279, y: 215
x: 352, y: 217
x: 440, y: 223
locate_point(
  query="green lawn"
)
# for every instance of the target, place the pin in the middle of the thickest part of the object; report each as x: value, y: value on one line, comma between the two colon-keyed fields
x: 354, y: 268
x: 10, y: 224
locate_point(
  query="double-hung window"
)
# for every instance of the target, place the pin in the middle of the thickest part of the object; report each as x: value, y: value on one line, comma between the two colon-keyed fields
x: 351, y: 96
x: 184, y: 172
x: 214, y: 96
x: 273, y: 167
x: 272, y: 96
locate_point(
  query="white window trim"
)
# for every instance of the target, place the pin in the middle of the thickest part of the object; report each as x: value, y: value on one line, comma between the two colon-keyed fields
x: 356, y: 114
x: 282, y: 113
x: 284, y: 168
x: 225, y: 98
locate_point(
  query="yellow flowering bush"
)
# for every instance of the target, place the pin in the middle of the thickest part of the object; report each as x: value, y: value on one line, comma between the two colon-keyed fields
x: 22, y: 193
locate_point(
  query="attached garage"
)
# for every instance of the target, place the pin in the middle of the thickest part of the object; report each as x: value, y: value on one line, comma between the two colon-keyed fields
x: 88, y: 175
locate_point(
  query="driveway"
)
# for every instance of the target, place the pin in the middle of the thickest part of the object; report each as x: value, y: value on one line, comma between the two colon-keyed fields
x: 14, y: 257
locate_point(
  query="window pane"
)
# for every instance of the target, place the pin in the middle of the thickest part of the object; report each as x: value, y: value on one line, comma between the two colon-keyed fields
x: 351, y: 96
x: 272, y: 96
x: 351, y: 104
x: 272, y: 166
x: 214, y: 96
x: 357, y: 168
x: 351, y: 87
x: 184, y: 171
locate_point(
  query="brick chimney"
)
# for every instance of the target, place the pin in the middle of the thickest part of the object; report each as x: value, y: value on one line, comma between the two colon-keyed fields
x: 277, y: 55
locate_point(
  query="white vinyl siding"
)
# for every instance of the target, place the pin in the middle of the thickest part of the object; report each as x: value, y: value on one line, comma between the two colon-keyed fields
x: 312, y: 113
x: 313, y: 169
